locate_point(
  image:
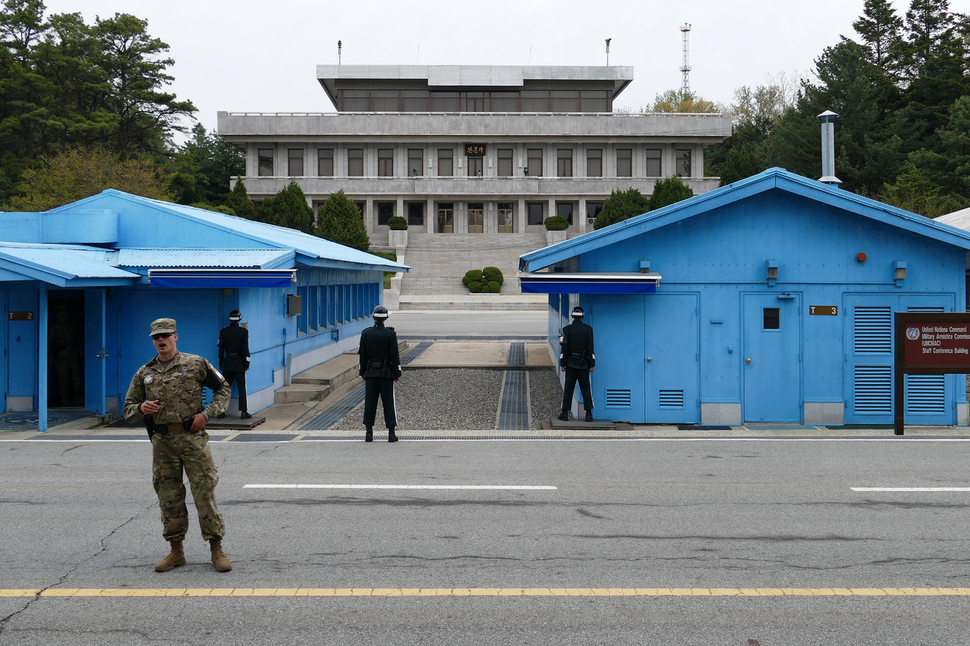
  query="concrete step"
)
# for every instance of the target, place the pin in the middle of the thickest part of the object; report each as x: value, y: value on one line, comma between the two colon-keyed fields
x: 320, y: 381
x: 301, y: 393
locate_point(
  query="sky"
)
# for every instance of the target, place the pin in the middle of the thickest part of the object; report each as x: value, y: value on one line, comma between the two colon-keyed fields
x: 262, y: 56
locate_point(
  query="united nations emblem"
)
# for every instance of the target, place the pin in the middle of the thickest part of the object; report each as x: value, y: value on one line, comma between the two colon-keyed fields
x: 149, y: 379
x: 912, y: 333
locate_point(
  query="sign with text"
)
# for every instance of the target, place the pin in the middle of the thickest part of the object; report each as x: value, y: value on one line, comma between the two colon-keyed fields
x: 20, y: 316
x: 823, y: 310
x: 928, y: 343
x: 475, y: 150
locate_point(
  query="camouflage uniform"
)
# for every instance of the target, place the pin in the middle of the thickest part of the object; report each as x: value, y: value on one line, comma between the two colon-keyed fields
x: 178, y: 388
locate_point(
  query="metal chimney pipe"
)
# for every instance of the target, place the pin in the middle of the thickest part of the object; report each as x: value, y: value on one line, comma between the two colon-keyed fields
x: 828, y: 148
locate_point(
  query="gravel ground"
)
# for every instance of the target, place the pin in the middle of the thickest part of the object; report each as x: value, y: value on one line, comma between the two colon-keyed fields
x: 459, y: 399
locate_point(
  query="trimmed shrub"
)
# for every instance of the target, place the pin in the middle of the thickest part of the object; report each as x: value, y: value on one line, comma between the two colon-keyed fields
x: 475, y: 287
x: 474, y: 274
x: 397, y: 223
x: 556, y: 223
x: 493, y: 274
x: 494, y: 287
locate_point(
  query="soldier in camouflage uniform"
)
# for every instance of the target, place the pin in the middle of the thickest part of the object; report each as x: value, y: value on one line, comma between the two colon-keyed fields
x: 167, y: 394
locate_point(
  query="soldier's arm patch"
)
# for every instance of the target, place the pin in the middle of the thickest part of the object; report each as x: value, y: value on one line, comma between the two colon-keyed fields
x: 213, y: 378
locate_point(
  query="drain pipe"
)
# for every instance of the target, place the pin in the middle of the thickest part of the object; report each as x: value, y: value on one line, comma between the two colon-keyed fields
x: 828, y: 148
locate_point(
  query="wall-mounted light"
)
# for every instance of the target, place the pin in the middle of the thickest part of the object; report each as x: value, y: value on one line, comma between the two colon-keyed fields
x: 772, y: 271
x: 644, y: 266
x: 899, y: 272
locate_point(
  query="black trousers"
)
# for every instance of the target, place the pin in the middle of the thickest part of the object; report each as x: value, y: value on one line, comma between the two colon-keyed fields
x: 375, y: 387
x: 572, y: 376
x: 239, y: 377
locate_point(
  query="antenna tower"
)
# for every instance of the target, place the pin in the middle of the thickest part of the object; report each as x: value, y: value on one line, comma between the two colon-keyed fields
x: 685, y: 67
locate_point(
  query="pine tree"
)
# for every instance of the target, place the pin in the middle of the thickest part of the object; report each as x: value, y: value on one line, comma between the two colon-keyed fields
x: 288, y: 208
x: 340, y: 221
x: 881, y: 32
x: 669, y: 191
x: 621, y: 205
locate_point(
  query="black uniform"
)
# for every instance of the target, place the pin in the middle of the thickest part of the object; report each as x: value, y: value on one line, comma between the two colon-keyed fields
x: 380, y: 365
x: 234, y: 359
x: 577, y: 357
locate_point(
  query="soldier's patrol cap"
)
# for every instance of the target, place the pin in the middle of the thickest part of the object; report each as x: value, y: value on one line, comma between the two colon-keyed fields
x: 162, y: 326
x: 577, y: 312
x: 235, y: 315
x: 380, y: 312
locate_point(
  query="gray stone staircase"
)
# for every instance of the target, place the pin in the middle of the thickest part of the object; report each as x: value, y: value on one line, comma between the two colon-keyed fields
x: 439, y: 261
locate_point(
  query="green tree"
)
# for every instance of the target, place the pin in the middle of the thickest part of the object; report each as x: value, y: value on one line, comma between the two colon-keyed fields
x: 288, y: 208
x: 340, y: 220
x: 621, y: 205
x: 672, y: 101
x: 83, y: 172
x: 210, y: 162
x: 668, y: 191
x: 880, y: 30
x: 948, y: 166
x: 913, y: 192
x: 238, y: 200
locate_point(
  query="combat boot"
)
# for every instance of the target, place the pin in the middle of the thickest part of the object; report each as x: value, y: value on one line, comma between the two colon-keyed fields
x: 391, y: 437
x: 219, y: 558
x: 369, y: 434
x: 173, y: 560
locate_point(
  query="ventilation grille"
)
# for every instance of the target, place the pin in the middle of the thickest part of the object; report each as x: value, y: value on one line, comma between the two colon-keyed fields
x: 925, y: 394
x: 873, y: 330
x: 873, y: 389
x: 619, y: 398
x: 671, y: 399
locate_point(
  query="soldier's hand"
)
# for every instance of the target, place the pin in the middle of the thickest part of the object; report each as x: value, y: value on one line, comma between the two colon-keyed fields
x: 148, y: 407
x: 592, y: 369
x: 198, y: 422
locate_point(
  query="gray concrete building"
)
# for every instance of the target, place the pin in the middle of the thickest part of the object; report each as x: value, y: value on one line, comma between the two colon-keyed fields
x: 461, y: 150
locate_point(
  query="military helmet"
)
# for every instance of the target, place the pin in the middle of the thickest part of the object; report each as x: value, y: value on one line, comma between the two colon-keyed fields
x: 380, y: 312
x: 577, y: 312
x: 235, y: 315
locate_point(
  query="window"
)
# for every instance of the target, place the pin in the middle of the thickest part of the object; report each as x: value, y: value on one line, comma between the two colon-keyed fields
x: 415, y: 100
x: 265, y: 163
x: 356, y: 101
x: 683, y: 163
x: 446, y: 162
x: 505, y: 166
x: 534, y: 167
x: 772, y: 318
x: 415, y: 162
x: 506, y: 214
x: 355, y: 162
x: 624, y: 162
x: 565, y: 100
x: 360, y: 207
x: 535, y: 212
x: 385, y: 211
x: 505, y: 102
x: 595, y: 100
x: 416, y: 213
x: 446, y: 217
x: 476, y: 101
x: 294, y: 164
x: 592, y: 210
x: 594, y: 162
x: 565, y: 211
x: 386, y: 100
x: 475, y: 165
x: 385, y: 162
x: 535, y: 100
x: 325, y: 162
x: 564, y: 162
x: 653, y: 163
x: 445, y: 102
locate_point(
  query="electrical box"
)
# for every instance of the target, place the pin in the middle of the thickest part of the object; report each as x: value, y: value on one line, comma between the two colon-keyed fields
x: 294, y: 304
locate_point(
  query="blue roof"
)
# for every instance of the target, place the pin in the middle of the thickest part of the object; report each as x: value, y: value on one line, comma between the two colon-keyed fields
x: 309, y: 250
x: 771, y: 179
x: 62, y: 265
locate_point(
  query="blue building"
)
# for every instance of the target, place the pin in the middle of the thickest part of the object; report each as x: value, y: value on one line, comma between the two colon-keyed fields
x: 768, y: 300
x: 80, y: 284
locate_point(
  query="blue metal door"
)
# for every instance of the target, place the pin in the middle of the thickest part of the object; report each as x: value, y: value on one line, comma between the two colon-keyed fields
x: 94, y: 351
x: 671, y: 359
x: 771, y: 358
x: 617, y: 382
x: 5, y: 359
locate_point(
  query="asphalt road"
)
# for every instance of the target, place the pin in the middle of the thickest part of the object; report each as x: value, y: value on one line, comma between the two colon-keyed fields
x: 674, y: 521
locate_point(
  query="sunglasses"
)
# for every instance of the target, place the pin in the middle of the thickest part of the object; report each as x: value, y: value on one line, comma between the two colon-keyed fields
x: 165, y: 335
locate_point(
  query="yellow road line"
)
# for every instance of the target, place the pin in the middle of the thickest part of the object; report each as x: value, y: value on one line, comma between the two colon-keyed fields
x: 486, y: 592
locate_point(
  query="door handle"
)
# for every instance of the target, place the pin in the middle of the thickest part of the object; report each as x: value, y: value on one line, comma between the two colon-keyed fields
x: 747, y: 361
